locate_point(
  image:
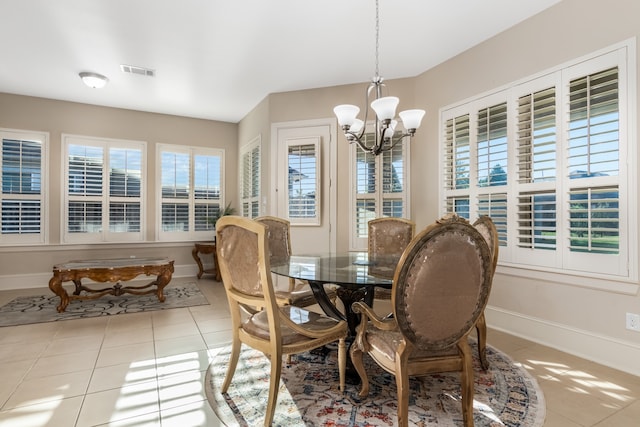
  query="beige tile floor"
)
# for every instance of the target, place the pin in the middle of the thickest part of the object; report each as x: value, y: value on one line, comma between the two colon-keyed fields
x: 147, y: 369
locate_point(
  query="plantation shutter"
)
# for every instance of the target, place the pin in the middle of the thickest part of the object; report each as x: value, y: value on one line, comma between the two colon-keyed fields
x: 85, y: 189
x: 21, y: 196
x: 593, y: 163
x: 457, y: 165
x: 206, y: 190
x: 491, y: 165
x: 304, y: 180
x: 125, y: 179
x: 537, y: 169
x: 250, y: 181
x: 175, y: 177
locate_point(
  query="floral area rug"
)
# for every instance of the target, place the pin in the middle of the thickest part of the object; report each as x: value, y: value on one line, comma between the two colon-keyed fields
x: 42, y: 308
x: 505, y: 395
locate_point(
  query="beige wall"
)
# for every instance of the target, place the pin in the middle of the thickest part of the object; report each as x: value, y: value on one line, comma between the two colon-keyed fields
x: 60, y: 117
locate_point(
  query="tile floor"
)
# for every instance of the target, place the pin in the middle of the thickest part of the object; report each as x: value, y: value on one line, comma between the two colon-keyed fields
x: 147, y: 369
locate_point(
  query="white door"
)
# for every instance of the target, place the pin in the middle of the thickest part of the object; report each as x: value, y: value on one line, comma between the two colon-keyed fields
x: 303, y: 194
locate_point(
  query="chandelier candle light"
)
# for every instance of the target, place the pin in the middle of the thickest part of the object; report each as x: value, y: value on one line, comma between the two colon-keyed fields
x: 385, y: 109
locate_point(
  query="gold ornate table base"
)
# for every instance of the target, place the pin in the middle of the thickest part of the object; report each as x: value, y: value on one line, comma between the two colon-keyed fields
x: 112, y: 271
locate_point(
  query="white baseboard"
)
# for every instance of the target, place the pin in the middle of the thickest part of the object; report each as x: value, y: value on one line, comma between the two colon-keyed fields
x: 41, y: 280
x: 615, y: 353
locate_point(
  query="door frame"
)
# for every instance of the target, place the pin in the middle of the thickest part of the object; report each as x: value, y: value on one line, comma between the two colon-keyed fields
x: 331, y: 197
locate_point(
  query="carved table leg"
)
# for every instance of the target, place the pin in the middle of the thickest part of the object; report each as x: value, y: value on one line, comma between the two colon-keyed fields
x: 163, y: 280
x: 194, y: 254
x: 55, y: 284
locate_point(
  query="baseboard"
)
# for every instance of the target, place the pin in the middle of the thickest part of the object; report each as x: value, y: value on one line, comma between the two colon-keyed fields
x: 41, y: 280
x: 615, y: 353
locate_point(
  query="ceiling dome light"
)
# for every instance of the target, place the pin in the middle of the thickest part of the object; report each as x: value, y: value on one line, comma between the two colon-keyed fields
x: 93, y: 80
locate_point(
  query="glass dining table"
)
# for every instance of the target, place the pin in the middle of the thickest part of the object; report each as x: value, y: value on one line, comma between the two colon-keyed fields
x: 355, y: 274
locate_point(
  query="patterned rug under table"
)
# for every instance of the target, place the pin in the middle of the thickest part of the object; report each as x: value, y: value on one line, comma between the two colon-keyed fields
x: 505, y: 395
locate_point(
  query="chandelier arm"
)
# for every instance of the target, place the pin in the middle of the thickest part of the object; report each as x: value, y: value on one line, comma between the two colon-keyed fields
x: 399, y: 139
x: 363, y: 147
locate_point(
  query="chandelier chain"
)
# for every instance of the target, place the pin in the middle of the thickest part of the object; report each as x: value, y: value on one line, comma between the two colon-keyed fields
x: 385, y: 136
x: 377, y: 40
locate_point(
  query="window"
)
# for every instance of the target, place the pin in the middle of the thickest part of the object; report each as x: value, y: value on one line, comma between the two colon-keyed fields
x: 379, y: 189
x: 190, y: 191
x: 303, y: 180
x: 250, y: 179
x: 543, y: 159
x: 103, y: 189
x: 23, y: 173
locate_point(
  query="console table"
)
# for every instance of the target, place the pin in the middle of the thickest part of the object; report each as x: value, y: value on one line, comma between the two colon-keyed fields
x: 206, y: 248
x: 113, y: 271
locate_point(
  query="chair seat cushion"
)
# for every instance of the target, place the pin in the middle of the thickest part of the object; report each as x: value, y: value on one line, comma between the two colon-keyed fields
x: 302, y: 295
x: 258, y: 324
x: 385, y: 344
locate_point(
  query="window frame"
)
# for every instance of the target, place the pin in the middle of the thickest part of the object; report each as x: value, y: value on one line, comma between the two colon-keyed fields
x: 105, y: 235
x: 622, y: 55
x: 316, y: 142
x: 359, y: 242
x: 191, y: 234
x: 42, y: 237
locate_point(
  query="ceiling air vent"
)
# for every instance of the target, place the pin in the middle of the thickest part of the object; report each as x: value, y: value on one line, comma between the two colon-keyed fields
x: 132, y: 69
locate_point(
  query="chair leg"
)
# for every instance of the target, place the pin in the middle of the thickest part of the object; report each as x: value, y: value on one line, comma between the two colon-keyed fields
x: 233, y: 362
x: 466, y: 377
x: 402, y: 383
x: 342, y: 362
x: 274, y: 384
x: 481, y: 329
x: 356, y: 359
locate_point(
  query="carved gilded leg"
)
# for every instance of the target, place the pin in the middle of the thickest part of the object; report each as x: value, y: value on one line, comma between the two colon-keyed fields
x: 55, y: 284
x: 356, y: 359
x: 342, y: 362
x: 481, y: 329
x: 163, y: 280
x: 402, y: 384
x: 466, y: 378
x: 194, y: 254
x: 274, y: 385
x: 233, y: 362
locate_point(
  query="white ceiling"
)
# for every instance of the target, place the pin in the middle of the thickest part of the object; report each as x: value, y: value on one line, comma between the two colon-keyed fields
x: 217, y: 59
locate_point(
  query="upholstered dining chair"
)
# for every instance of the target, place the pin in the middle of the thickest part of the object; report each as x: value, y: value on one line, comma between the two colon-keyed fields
x: 298, y: 293
x: 487, y: 228
x: 440, y: 288
x: 275, y: 330
x: 388, y: 236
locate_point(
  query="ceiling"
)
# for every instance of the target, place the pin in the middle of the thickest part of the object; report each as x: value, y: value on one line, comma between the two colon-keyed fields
x: 217, y: 59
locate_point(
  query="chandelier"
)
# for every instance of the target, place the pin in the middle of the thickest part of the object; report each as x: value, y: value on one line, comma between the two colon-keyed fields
x: 384, y: 107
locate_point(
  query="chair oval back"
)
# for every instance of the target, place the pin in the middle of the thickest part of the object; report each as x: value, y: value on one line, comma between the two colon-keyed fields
x: 278, y: 237
x: 389, y: 236
x: 442, y: 284
x: 239, y: 252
